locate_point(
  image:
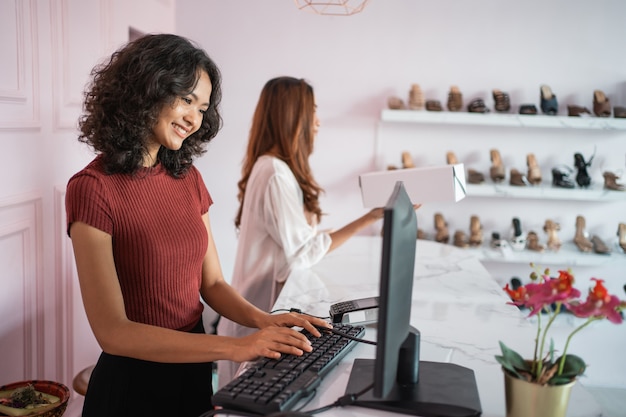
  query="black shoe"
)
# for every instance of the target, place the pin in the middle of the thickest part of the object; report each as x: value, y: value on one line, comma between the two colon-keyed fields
x: 560, y: 177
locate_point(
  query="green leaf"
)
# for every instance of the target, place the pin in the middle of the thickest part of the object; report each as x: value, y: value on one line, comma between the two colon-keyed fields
x: 507, y: 366
x: 574, y: 366
x: 512, y: 359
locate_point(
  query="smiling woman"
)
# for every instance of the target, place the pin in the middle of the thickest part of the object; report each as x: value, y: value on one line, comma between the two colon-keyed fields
x: 139, y: 223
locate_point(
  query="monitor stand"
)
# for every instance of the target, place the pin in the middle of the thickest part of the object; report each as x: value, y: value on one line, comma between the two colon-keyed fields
x: 443, y: 390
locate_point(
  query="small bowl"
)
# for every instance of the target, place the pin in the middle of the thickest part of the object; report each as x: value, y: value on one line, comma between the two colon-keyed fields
x: 48, y: 387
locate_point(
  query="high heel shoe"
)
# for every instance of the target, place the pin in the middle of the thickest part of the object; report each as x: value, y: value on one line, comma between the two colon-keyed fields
x: 476, y: 232
x: 416, y: 98
x: 455, y: 99
x: 442, y: 235
x: 582, y: 177
x: 621, y: 235
x: 518, y: 241
x: 473, y: 176
x: 477, y: 106
x: 534, y: 172
x: 407, y: 160
x: 496, y: 171
x: 552, y: 228
x: 610, y: 181
x: 532, y: 242
x: 433, y: 105
x: 577, y: 111
x: 601, y: 104
x: 560, y: 177
x: 549, y: 104
x: 580, y: 239
x: 502, y: 101
x: 451, y: 158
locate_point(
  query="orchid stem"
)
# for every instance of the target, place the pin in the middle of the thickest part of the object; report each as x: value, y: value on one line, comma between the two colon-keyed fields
x: 579, y: 328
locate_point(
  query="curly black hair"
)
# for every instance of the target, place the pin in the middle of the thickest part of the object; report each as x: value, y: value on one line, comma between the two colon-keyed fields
x: 126, y: 94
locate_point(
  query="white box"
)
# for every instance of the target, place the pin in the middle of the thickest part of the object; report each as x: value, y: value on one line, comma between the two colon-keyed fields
x: 423, y: 185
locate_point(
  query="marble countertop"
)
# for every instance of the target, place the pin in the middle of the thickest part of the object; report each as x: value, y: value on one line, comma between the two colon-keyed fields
x: 459, y: 309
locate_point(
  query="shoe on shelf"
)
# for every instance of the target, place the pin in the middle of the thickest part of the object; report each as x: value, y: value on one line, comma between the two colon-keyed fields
x: 441, y: 227
x: 416, y: 98
x: 601, y: 104
x: 560, y: 177
x: 619, y: 112
x: 577, y: 111
x: 610, y: 181
x: 534, y: 172
x: 476, y: 232
x: 517, y: 178
x: 582, y: 177
x: 433, y: 105
x: 621, y: 236
x: 502, y: 101
x: 549, y: 103
x: 532, y: 242
x: 475, y: 177
x: 451, y: 158
x: 552, y: 228
x: 407, y: 160
x: 460, y: 239
x: 518, y: 240
x: 580, y: 238
x: 395, y: 103
x: 528, y: 109
x: 477, y: 106
x: 599, y: 246
x: 455, y: 99
x: 496, y: 172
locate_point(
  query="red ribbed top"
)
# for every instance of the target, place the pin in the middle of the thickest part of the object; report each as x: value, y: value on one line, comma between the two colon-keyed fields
x: 159, y: 238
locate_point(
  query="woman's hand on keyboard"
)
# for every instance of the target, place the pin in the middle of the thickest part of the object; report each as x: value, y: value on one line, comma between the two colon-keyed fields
x: 277, y: 337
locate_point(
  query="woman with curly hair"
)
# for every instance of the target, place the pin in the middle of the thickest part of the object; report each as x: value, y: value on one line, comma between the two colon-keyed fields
x: 279, y: 201
x: 138, y: 219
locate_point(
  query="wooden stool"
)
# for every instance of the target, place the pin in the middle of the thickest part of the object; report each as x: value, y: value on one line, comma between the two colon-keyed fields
x: 81, y: 380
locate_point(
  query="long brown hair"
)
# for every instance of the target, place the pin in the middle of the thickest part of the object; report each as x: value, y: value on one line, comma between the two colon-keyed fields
x: 283, y: 126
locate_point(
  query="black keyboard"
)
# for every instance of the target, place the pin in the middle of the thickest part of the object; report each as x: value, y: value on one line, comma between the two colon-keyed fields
x: 272, y: 385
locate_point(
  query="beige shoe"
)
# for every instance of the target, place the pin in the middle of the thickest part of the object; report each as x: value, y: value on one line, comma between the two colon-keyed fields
x: 416, y: 98
x: 534, y: 172
x: 407, y: 160
x: 496, y: 171
x: 476, y: 232
x: 455, y: 99
x: 580, y: 239
x: 442, y: 235
x: 552, y: 228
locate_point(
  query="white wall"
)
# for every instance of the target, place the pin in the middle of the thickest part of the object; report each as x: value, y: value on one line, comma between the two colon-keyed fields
x: 355, y: 63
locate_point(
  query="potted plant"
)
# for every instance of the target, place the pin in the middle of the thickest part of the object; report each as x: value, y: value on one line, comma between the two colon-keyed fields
x: 540, y: 386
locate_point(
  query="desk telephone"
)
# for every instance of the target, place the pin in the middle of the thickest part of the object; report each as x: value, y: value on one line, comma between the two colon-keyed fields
x: 363, y: 310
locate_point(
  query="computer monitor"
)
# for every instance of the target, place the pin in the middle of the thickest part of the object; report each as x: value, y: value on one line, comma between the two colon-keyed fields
x: 396, y: 380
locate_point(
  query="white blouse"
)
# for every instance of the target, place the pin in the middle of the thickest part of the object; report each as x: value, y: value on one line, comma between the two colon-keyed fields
x: 274, y: 238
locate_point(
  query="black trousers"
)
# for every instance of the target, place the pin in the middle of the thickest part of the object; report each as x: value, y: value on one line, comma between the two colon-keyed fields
x: 127, y: 387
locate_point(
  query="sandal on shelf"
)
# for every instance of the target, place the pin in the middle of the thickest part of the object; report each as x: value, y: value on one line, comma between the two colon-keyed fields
x: 549, y: 104
x: 476, y: 232
x: 496, y: 171
x: 621, y: 235
x: 442, y: 235
x: 528, y: 109
x: 451, y: 158
x: 475, y: 177
x: 395, y: 103
x: 477, y: 106
x: 601, y: 104
x: 518, y: 240
x: 599, y: 246
x: 433, y: 105
x: 580, y: 239
x: 551, y: 228
x: 502, y: 101
x: 610, y: 181
x: 460, y: 239
x: 534, y: 172
x: 560, y: 177
x: 532, y: 242
x: 416, y: 98
x: 517, y: 178
x: 407, y: 160
x: 577, y: 111
x: 455, y: 99
x: 582, y: 177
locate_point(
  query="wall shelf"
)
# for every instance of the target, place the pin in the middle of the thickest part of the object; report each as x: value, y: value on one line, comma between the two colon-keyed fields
x: 503, y: 119
x: 568, y: 255
x: 545, y: 192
